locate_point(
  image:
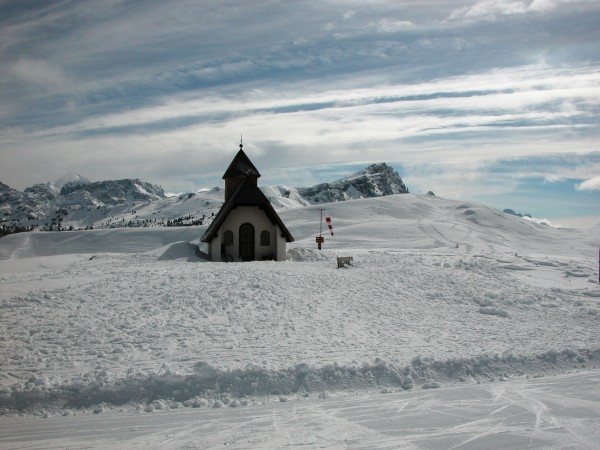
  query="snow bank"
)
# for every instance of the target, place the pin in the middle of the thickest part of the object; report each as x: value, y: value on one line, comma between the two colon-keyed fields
x: 308, y: 255
x: 123, y: 240
x: 493, y: 311
x: 208, y: 386
x: 186, y: 251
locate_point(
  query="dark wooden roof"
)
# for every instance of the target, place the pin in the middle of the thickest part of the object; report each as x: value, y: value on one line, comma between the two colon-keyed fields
x: 247, y: 194
x: 241, y: 166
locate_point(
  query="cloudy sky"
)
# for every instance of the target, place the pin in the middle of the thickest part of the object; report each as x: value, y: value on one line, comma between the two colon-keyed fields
x: 490, y: 100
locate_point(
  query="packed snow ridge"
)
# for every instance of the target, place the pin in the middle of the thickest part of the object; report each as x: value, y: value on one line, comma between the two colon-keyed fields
x: 440, y: 292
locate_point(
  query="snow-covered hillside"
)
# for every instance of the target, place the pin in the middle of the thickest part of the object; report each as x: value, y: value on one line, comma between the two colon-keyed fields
x: 440, y: 292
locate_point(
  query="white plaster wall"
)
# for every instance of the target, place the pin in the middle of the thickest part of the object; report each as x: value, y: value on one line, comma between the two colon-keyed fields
x: 281, y: 245
x: 214, y: 248
x: 259, y: 219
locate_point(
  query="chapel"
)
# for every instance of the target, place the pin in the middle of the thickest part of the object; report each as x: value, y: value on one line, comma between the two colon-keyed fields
x: 247, y: 227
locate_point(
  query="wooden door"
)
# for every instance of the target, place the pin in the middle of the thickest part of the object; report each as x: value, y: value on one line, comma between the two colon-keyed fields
x: 246, y: 242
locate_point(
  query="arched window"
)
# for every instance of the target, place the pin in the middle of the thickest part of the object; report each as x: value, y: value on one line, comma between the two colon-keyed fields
x: 265, y: 238
x: 228, y: 237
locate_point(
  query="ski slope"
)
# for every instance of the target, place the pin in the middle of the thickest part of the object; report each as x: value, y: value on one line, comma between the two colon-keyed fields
x: 549, y: 412
x: 441, y: 294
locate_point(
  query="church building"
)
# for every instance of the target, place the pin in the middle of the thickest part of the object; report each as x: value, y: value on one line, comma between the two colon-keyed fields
x: 247, y: 227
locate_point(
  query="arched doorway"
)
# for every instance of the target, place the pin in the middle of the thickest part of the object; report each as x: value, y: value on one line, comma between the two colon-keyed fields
x: 247, y: 242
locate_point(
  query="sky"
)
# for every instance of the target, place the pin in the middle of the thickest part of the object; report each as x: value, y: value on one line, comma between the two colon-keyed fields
x: 495, y: 101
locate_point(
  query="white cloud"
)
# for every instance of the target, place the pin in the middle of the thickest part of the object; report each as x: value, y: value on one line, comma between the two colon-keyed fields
x: 547, y: 5
x: 593, y: 184
x: 39, y: 72
x: 560, y: 167
x: 504, y: 97
x: 552, y: 178
x: 543, y: 5
x: 540, y: 221
x: 393, y: 26
x: 492, y: 9
x: 496, y: 7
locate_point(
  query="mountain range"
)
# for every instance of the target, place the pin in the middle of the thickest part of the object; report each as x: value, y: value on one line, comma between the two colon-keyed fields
x: 74, y: 202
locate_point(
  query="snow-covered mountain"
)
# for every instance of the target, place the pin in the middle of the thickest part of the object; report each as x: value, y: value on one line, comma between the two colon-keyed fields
x: 108, y: 193
x: 377, y: 180
x: 29, y: 207
x: 70, y: 178
x: 514, y: 213
x: 48, y: 204
x: 74, y: 201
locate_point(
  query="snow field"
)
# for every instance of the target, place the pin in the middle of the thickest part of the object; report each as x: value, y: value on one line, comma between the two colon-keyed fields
x: 137, y: 328
x: 439, y: 292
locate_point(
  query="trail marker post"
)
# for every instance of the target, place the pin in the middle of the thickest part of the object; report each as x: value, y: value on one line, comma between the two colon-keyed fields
x: 320, y: 239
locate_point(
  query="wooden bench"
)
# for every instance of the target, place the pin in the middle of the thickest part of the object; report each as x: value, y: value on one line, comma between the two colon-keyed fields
x: 344, y: 261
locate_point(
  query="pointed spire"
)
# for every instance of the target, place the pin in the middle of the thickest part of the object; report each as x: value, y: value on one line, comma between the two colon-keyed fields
x: 241, y: 166
x: 241, y: 144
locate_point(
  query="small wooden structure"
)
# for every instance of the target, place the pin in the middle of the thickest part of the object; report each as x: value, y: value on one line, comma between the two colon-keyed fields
x: 319, y: 240
x: 344, y: 261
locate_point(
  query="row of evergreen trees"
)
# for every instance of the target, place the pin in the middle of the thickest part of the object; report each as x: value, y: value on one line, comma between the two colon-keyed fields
x: 10, y: 229
x: 56, y: 224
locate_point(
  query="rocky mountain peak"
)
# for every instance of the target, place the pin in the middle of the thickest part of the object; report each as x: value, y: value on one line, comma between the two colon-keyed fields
x: 4, y: 187
x: 70, y: 178
x: 115, y: 192
x: 375, y: 180
x: 40, y: 203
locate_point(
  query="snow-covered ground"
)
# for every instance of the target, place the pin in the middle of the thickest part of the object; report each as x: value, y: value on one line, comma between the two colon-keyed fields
x: 441, y: 293
x: 549, y: 412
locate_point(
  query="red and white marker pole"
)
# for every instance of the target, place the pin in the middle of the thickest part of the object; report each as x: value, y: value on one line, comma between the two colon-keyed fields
x: 328, y: 220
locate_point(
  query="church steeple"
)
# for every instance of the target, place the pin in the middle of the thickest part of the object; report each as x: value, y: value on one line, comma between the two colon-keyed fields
x: 240, y: 169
